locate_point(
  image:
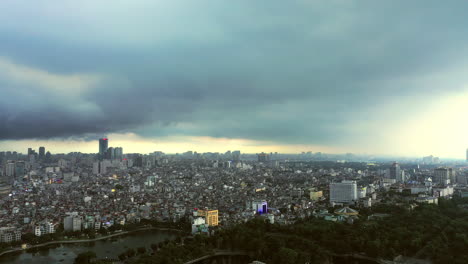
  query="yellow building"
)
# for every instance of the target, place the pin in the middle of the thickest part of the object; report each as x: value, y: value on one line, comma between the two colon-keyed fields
x: 260, y: 189
x: 211, y: 216
x: 315, y: 196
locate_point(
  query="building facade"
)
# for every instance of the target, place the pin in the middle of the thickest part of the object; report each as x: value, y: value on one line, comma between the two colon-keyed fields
x: 103, y: 145
x: 72, y: 223
x: 211, y: 216
x: 343, y: 192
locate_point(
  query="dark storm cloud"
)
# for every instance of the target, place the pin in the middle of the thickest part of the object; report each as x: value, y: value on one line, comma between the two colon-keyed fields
x: 295, y: 71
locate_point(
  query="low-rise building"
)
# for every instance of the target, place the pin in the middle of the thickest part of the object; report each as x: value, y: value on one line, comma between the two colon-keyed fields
x: 9, y: 234
x: 211, y: 216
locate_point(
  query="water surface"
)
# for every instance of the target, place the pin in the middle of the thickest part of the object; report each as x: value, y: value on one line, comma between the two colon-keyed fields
x: 108, y: 248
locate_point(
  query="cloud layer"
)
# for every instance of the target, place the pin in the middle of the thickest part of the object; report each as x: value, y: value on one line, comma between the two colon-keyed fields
x: 295, y: 72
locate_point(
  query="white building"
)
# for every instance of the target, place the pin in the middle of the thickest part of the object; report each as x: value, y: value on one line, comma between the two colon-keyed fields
x: 271, y: 218
x: 260, y: 206
x: 43, y: 228
x: 419, y: 189
x: 343, y: 192
x: 429, y: 200
x: 199, y: 225
x: 50, y: 227
x: 150, y: 181
x: 101, y: 167
x: 443, y: 175
x: 362, y: 192
x: 37, y: 230
x: 401, y: 177
x: 443, y: 192
x: 9, y: 234
x: 72, y: 223
x: 10, y: 169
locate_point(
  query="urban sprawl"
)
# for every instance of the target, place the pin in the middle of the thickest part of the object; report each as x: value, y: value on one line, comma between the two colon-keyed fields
x: 41, y: 192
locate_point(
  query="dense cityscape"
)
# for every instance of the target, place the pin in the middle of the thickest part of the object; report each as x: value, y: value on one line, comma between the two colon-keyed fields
x: 233, y: 132
x: 88, y: 193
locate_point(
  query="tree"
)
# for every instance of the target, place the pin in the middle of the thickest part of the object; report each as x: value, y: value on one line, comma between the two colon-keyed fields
x: 438, y: 233
x: 29, y: 238
x: 141, y: 250
x: 154, y: 247
x: 130, y: 252
x: 122, y: 256
x: 286, y: 256
x: 103, y: 231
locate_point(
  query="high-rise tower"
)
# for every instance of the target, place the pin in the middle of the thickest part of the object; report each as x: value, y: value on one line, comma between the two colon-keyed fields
x: 395, y: 171
x: 103, y: 145
x: 41, y: 153
x: 110, y: 153
x: 118, y: 153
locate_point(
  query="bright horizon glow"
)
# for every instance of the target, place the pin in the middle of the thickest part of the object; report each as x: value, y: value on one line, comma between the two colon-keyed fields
x: 132, y: 143
x: 442, y: 129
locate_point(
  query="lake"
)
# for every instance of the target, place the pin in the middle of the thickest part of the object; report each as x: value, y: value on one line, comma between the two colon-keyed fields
x: 108, y: 248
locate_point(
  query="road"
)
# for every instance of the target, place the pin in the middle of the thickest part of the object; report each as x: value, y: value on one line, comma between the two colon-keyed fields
x: 219, y: 253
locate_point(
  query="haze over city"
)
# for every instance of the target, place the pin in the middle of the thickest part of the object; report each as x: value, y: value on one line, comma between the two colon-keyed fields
x: 208, y: 131
x: 334, y: 76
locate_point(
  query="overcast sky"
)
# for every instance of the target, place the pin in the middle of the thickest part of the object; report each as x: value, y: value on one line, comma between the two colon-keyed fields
x: 383, y: 77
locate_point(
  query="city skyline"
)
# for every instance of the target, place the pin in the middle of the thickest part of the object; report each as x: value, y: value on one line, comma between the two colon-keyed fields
x: 207, y: 131
x: 331, y: 77
x: 102, y: 151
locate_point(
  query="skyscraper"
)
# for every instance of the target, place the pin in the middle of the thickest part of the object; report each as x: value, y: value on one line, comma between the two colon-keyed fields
x: 5, y: 186
x: 110, y: 153
x: 118, y: 153
x: 138, y: 161
x: 236, y: 155
x: 10, y: 169
x: 262, y: 157
x: 103, y: 145
x: 395, y: 171
x: 48, y: 156
x: 41, y: 153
